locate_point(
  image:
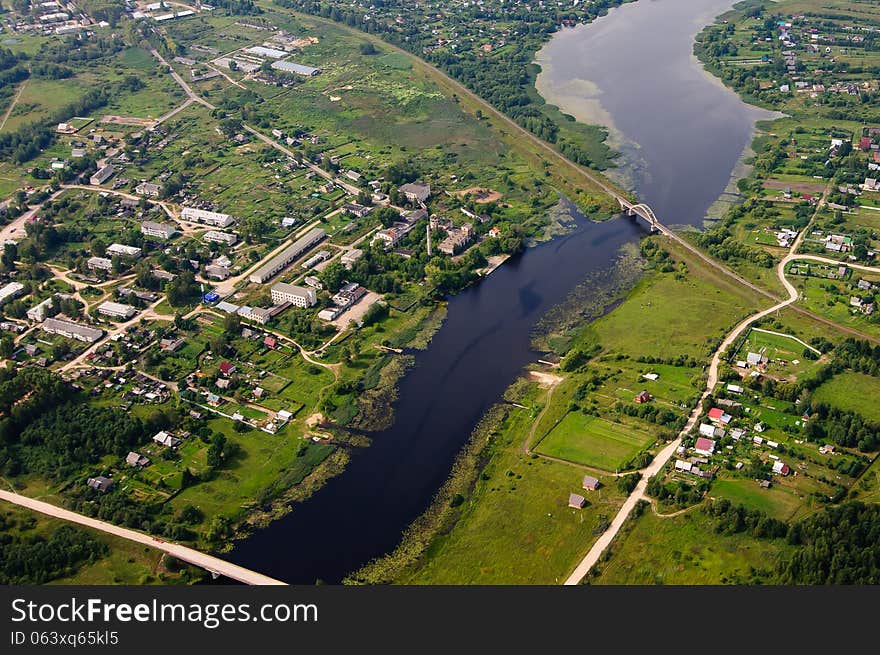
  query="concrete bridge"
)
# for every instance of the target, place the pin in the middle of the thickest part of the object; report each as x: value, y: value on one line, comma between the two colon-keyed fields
x: 214, y: 565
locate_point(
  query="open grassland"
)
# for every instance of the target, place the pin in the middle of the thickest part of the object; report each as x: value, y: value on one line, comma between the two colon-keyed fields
x: 517, y: 527
x: 776, y: 502
x: 667, y: 315
x: 265, y: 462
x: 852, y: 391
x: 684, y: 549
x: 593, y: 441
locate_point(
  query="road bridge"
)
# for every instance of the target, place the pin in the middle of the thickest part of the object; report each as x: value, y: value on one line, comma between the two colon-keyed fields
x: 214, y: 565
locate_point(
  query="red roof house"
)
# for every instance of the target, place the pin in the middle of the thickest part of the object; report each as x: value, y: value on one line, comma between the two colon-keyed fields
x: 643, y: 397
x: 704, y: 446
x: 227, y: 368
x: 716, y: 413
x: 865, y: 143
x: 270, y: 342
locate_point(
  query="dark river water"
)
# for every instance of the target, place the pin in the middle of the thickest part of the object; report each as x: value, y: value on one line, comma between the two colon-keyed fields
x: 681, y: 135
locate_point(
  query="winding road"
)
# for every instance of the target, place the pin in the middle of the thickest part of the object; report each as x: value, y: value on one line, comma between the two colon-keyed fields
x: 593, y: 555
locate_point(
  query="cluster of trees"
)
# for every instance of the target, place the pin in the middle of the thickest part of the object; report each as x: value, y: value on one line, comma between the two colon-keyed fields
x: 734, y: 519
x: 62, y: 439
x: 182, y: 289
x: 35, y: 560
x: 844, y: 428
x: 676, y: 492
x: 652, y: 413
x: 720, y: 242
x: 839, y: 545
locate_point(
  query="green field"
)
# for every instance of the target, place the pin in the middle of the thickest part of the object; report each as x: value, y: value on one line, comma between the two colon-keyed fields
x: 852, y: 391
x: 776, y: 502
x: 675, y: 316
x: 517, y: 527
x: 593, y: 441
x: 684, y: 549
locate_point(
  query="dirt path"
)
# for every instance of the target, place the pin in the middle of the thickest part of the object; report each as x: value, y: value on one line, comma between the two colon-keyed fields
x: 592, y: 556
x: 12, y: 104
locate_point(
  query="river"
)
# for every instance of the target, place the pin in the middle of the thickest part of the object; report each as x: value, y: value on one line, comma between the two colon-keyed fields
x: 679, y: 129
x: 681, y: 134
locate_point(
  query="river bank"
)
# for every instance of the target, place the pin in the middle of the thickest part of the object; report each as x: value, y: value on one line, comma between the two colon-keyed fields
x: 433, y: 548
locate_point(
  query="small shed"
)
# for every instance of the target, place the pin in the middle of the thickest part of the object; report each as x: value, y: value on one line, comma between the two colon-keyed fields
x: 590, y: 483
x: 576, y: 501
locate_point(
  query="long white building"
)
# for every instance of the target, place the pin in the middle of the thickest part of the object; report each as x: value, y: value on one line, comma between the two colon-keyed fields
x: 217, y: 219
x: 72, y: 330
x: 296, y: 295
x: 99, y: 263
x: 123, y: 251
x: 10, y: 291
x: 158, y: 230
x: 116, y: 310
x: 283, y: 259
x: 220, y: 237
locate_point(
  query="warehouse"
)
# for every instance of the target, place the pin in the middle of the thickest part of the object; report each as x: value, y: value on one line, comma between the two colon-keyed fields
x: 280, y: 261
x: 299, y: 69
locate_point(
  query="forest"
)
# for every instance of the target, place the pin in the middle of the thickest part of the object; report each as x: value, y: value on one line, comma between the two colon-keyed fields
x: 33, y: 559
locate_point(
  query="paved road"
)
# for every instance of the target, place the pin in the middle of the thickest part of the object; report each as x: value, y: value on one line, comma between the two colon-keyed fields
x: 213, y: 564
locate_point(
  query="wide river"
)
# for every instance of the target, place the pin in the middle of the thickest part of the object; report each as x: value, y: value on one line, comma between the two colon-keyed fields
x: 681, y: 134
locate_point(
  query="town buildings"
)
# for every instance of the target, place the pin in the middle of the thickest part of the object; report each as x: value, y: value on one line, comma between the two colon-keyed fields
x: 215, y: 236
x: 295, y: 295
x: 10, y: 291
x: 116, y: 310
x: 102, y: 175
x: 72, y: 330
x: 159, y: 230
x: 122, y: 250
x: 217, y: 219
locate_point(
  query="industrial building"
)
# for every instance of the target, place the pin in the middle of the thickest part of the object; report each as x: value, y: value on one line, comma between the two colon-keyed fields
x: 299, y: 69
x: 283, y: 259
